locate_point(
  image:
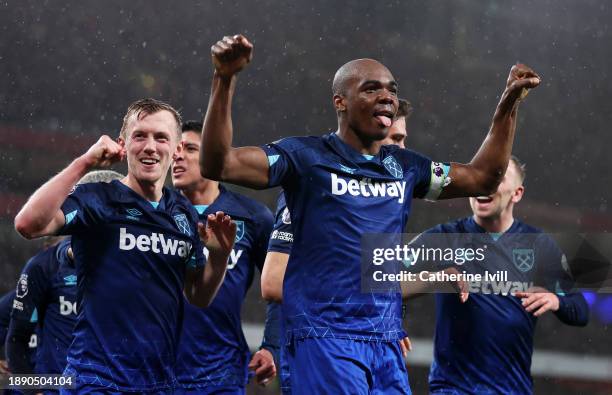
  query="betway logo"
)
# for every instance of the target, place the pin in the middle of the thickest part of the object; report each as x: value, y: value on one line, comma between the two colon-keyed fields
x: 67, y: 307
x: 233, y: 258
x: 365, y: 187
x: 156, y: 242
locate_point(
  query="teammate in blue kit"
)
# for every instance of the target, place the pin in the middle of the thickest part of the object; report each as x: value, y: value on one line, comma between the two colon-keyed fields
x: 213, y: 354
x: 133, y: 241
x: 484, y: 346
x: 6, y: 305
x: 47, y: 305
x: 338, y: 187
x: 281, y: 240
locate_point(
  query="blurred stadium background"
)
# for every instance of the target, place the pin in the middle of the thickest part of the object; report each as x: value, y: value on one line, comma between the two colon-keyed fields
x: 69, y: 69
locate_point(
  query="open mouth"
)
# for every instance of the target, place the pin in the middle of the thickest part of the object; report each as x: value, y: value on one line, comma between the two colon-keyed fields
x: 384, y: 117
x: 484, y: 199
x: 149, y: 161
x: 178, y: 170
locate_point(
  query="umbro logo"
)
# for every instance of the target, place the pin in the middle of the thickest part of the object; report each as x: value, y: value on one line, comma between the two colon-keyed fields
x: 133, y: 213
x: 347, y: 169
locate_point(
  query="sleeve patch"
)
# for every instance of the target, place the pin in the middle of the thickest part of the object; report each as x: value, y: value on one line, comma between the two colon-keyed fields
x: 439, y: 179
x: 272, y: 159
x: 70, y: 216
x: 34, y: 317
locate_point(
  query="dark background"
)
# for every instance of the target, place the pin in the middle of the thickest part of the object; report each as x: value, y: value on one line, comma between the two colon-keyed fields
x: 68, y: 71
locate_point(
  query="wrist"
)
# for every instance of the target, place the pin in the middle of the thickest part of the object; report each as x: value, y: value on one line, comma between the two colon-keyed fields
x: 223, y: 79
x: 83, y: 163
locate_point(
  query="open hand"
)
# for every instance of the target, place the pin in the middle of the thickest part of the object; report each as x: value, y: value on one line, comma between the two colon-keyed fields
x: 218, y: 234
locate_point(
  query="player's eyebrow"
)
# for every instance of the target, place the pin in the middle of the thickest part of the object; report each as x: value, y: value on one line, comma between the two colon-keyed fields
x: 391, y: 84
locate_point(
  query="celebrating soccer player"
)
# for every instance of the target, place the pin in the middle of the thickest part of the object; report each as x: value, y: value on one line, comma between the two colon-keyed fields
x: 46, y: 304
x: 338, y: 187
x: 213, y: 353
x: 133, y: 241
x: 485, y: 344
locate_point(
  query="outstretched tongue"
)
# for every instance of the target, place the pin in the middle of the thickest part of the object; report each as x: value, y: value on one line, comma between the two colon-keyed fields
x: 385, y: 120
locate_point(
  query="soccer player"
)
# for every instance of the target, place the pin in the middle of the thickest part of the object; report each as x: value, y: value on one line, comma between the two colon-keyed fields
x: 133, y: 241
x: 6, y: 304
x: 46, y: 303
x: 213, y: 353
x: 484, y: 346
x: 339, y: 187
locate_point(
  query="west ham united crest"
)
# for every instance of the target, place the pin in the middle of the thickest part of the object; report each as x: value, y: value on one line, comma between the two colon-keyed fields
x: 183, y: 224
x: 239, y: 230
x: 523, y: 259
x: 393, y: 167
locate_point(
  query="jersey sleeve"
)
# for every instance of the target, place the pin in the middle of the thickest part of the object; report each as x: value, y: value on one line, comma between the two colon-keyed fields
x: 556, y: 277
x: 431, y: 177
x: 32, y: 286
x: 281, y: 239
x: 82, y: 209
x: 282, y: 161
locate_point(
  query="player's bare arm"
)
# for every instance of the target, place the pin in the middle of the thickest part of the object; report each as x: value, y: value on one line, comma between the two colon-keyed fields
x: 247, y: 166
x: 272, y: 276
x: 218, y: 236
x: 485, y: 171
x: 41, y: 215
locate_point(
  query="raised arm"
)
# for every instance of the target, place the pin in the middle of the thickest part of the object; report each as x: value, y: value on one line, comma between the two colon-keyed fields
x: 41, y: 215
x: 246, y: 166
x: 486, y: 169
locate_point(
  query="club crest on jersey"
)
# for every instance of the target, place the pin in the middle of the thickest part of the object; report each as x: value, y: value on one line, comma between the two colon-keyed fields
x: 22, y: 286
x: 182, y: 223
x: 393, y: 167
x: 70, y: 280
x: 523, y: 259
x: 239, y: 231
x: 286, y: 217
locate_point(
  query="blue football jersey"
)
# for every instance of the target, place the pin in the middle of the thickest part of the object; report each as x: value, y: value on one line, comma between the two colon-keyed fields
x: 335, y: 195
x: 281, y: 238
x: 484, y: 346
x: 131, y: 256
x: 6, y: 305
x: 46, y: 295
x: 213, y: 350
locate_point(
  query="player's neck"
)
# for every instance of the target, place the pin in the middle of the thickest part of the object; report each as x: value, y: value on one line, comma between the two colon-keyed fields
x: 497, y: 224
x: 204, y: 192
x: 357, y: 142
x: 152, y: 191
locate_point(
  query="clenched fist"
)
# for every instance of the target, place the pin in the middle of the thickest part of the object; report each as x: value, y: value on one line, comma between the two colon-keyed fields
x: 520, y: 80
x: 231, y: 54
x: 104, y: 153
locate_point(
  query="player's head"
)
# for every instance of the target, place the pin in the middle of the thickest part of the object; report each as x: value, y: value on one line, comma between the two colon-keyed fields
x: 398, y: 130
x: 100, y: 176
x: 150, y: 134
x: 186, y: 164
x: 365, y: 98
x: 509, y: 193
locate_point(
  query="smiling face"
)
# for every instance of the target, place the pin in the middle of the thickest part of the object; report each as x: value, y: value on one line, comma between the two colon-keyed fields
x: 509, y: 192
x: 151, y: 141
x: 186, y: 165
x: 367, y: 98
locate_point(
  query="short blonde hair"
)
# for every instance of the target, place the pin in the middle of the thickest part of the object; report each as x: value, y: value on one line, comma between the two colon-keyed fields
x: 149, y: 106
